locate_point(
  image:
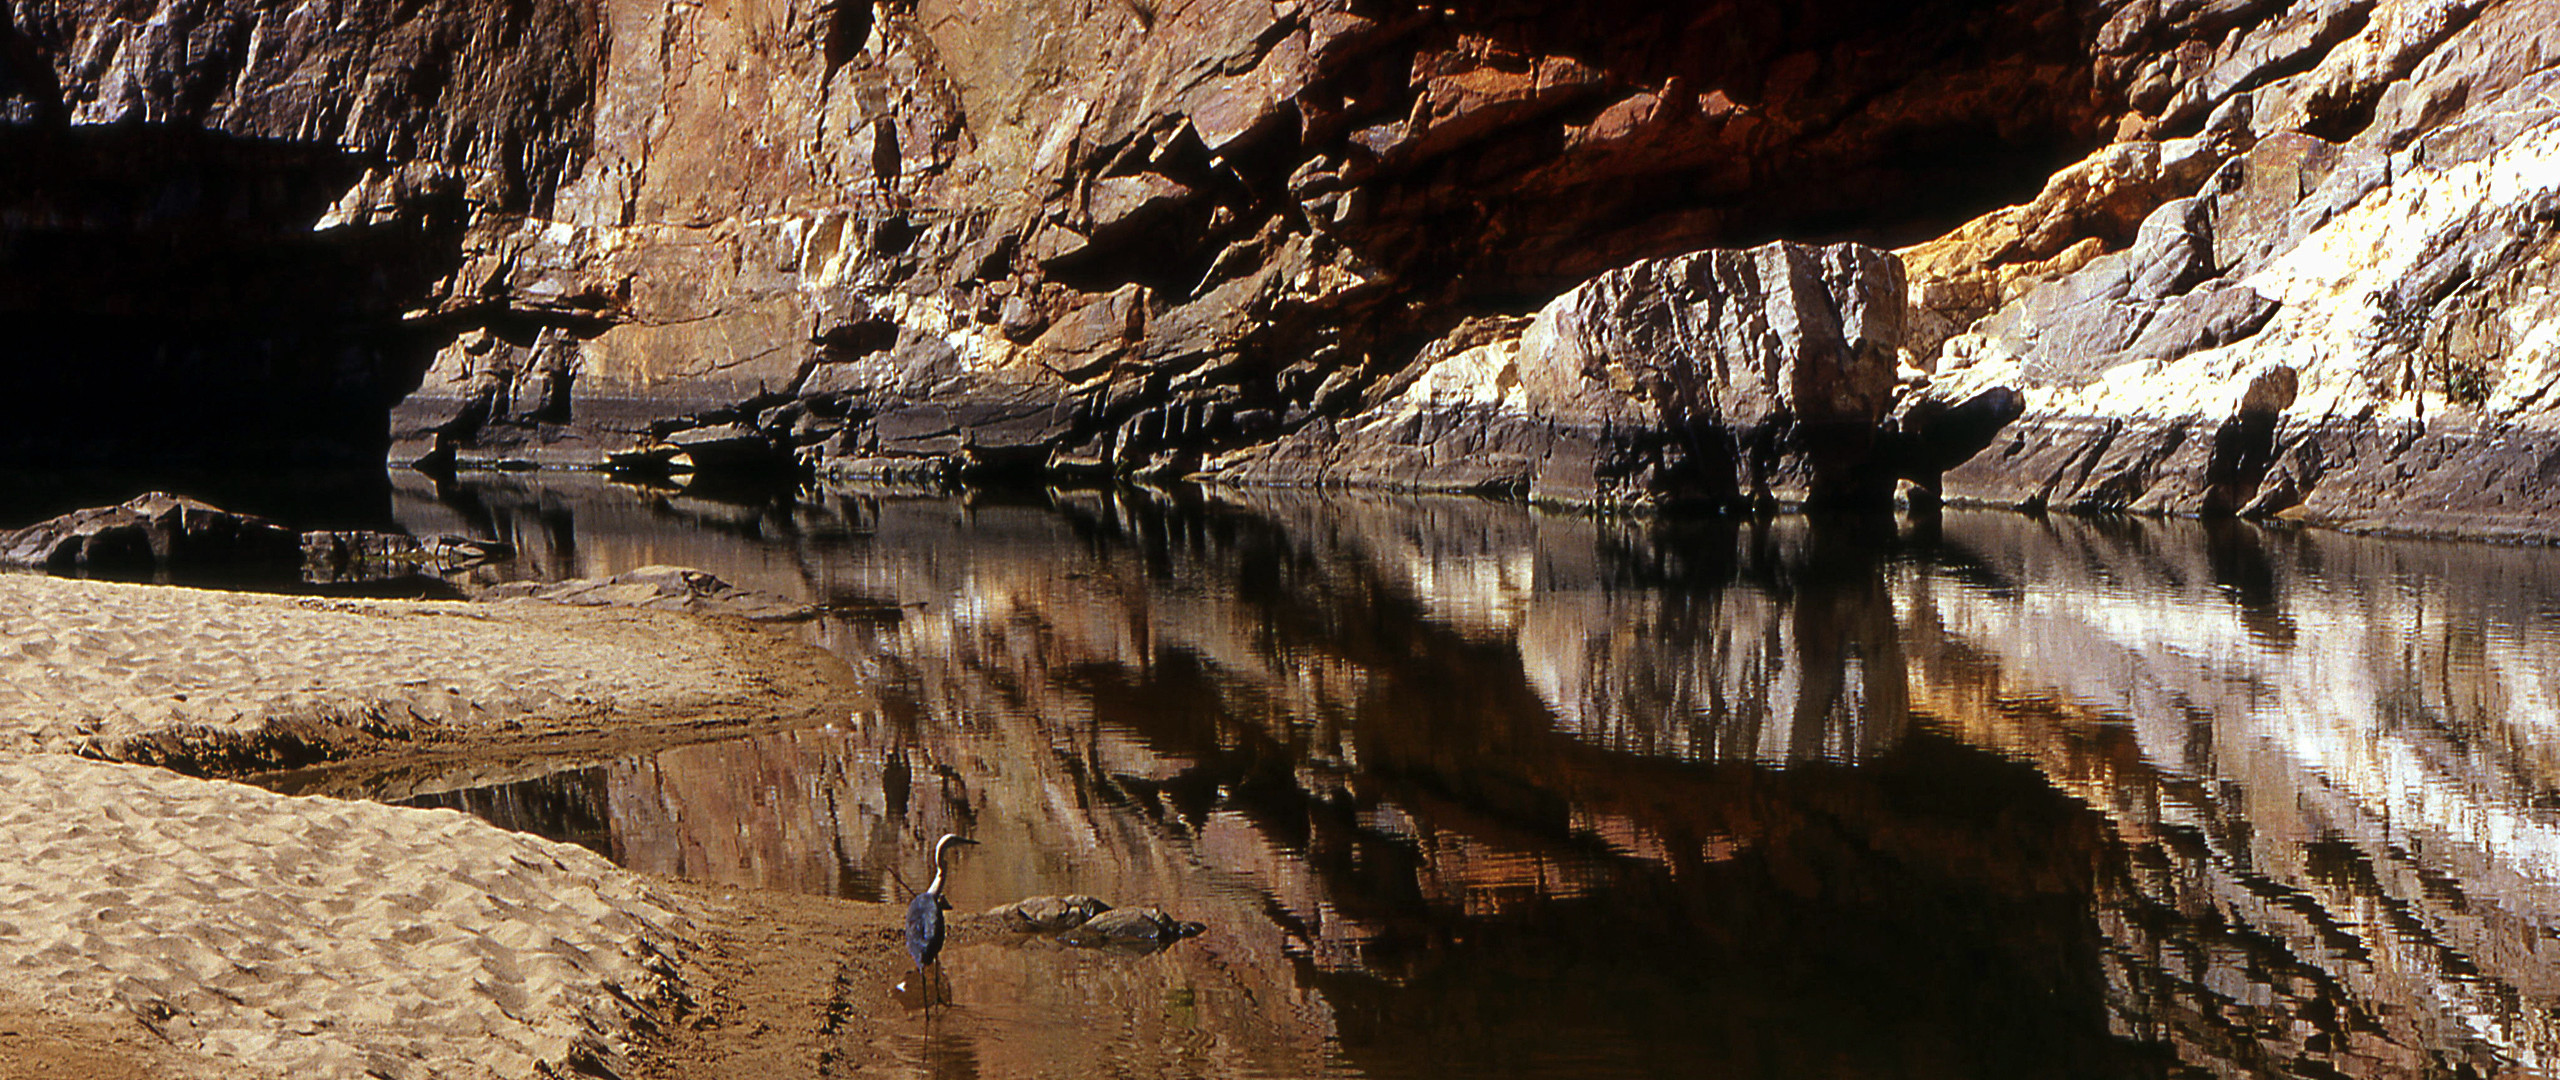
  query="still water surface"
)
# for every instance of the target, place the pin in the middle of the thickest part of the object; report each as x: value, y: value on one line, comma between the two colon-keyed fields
x: 1463, y: 789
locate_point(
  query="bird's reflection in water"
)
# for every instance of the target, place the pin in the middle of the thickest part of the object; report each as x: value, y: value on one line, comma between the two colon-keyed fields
x: 944, y: 1052
x: 922, y: 989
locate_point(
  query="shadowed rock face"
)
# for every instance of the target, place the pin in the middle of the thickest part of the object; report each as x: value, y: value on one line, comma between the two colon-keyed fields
x: 1136, y: 237
x: 220, y: 221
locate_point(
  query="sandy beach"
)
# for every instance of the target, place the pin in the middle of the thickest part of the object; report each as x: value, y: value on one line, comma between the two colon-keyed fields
x: 225, y: 682
x: 154, y: 924
x: 269, y: 935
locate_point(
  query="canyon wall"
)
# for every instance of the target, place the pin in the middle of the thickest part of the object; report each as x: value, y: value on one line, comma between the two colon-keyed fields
x: 2194, y: 257
x: 2323, y: 300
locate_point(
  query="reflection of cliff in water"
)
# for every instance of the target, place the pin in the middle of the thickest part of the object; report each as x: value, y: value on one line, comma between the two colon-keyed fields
x: 2326, y: 761
x: 1479, y: 789
x: 1474, y: 881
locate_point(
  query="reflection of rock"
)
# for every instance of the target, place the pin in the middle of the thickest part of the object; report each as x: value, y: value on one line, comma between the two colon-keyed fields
x: 1779, y: 645
x: 1737, y: 676
x: 2255, y: 797
x: 664, y: 588
x: 1131, y: 928
x: 361, y: 554
x: 2325, y: 757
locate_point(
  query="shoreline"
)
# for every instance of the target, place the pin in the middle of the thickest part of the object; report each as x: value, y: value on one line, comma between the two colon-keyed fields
x: 167, y: 925
x: 213, y: 682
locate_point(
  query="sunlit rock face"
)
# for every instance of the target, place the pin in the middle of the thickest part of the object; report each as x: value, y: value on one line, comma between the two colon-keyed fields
x: 2311, y: 285
x: 2281, y: 255
x: 1117, y: 237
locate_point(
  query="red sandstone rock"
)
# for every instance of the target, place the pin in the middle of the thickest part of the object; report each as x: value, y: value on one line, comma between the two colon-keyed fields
x: 1237, y: 218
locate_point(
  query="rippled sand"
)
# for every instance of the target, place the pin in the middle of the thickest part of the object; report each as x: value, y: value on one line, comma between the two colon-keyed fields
x: 155, y: 925
x: 233, y: 681
x: 266, y: 935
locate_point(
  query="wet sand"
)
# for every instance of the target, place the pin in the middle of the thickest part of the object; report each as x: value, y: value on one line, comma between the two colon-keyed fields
x: 154, y: 924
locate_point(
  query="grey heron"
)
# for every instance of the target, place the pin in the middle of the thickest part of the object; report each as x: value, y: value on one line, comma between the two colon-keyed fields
x: 924, y: 913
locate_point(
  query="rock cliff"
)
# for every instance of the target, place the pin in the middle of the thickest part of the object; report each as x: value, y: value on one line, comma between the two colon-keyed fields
x: 2213, y: 257
x: 2321, y: 299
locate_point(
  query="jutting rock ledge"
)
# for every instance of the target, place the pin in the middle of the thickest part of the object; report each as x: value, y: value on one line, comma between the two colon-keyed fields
x: 2251, y: 257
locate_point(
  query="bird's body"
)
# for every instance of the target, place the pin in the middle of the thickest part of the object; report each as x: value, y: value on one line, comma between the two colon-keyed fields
x: 924, y: 913
x: 924, y: 927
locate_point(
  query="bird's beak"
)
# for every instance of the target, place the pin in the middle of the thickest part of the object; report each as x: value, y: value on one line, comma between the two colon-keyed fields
x: 964, y: 840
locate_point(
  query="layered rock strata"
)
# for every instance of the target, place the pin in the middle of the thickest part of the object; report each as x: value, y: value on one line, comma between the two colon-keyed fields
x: 970, y: 236
x: 1729, y: 378
x: 2330, y: 303
x: 1112, y: 235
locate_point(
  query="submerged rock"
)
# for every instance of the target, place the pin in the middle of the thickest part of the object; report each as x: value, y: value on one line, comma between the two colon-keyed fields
x: 664, y: 588
x: 1086, y: 922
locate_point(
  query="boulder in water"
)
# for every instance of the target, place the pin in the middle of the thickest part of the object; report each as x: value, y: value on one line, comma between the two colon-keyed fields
x: 1131, y: 927
x: 1048, y: 914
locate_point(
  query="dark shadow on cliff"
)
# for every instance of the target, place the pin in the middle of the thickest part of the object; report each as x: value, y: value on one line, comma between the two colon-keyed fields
x: 1842, y: 120
x: 171, y: 311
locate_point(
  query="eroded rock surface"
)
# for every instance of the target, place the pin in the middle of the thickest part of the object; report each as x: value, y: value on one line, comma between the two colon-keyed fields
x: 2329, y: 307
x: 972, y: 237
x: 1728, y: 378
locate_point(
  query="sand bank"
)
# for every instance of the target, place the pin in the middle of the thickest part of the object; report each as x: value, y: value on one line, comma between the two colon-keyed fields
x: 212, y: 681
x: 154, y: 925
x: 262, y: 935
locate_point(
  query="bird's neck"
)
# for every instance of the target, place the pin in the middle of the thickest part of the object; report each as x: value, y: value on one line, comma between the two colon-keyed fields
x: 941, y: 850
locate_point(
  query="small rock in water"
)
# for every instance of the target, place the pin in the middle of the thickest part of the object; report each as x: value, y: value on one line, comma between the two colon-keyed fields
x: 1049, y: 914
x: 1131, y: 926
x: 666, y: 588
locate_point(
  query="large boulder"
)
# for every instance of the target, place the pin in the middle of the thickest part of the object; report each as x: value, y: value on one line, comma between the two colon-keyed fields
x: 152, y: 531
x: 165, y: 535
x: 1724, y: 378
